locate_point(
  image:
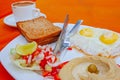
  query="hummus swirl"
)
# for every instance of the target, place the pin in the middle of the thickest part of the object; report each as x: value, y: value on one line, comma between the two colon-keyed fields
x: 77, y: 69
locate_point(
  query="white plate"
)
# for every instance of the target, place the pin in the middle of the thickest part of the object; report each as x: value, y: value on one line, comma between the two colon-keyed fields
x: 20, y: 74
x: 16, y: 72
x: 10, y: 20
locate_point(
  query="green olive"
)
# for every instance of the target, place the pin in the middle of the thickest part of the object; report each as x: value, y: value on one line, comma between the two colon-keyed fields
x: 92, y: 68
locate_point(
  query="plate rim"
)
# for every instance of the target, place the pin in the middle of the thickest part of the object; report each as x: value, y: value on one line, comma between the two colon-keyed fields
x: 8, y: 17
x: 14, y: 23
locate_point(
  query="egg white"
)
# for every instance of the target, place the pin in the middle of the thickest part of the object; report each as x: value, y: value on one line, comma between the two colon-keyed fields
x: 93, y: 45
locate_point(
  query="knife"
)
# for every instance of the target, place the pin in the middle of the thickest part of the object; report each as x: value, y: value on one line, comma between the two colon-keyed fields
x: 75, y: 28
x: 71, y: 33
x: 58, y: 48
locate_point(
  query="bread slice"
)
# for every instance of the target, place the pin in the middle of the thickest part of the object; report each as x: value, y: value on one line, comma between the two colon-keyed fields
x: 39, y: 30
x: 50, y: 40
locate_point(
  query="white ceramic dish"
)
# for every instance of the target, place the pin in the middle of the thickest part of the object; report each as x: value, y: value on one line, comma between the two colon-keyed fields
x: 20, y: 74
x: 10, y: 20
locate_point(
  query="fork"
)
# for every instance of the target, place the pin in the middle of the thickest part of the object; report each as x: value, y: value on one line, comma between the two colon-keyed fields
x: 71, y: 33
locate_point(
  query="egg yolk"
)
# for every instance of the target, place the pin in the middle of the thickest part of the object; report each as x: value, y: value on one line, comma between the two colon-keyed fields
x: 86, y: 32
x: 109, y: 38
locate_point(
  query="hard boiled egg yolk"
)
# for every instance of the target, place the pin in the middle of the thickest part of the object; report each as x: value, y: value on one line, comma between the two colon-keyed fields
x: 109, y: 38
x: 86, y: 32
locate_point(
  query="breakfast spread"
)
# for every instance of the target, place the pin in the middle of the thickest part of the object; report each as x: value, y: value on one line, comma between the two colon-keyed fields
x: 90, y: 68
x: 99, y: 47
x: 96, y: 41
x: 40, y: 30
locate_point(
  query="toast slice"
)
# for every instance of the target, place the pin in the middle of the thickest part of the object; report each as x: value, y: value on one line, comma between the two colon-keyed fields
x: 50, y: 40
x: 39, y: 30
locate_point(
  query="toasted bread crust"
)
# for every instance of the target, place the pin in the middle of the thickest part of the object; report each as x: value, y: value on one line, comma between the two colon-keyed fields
x: 50, y: 40
x: 39, y: 30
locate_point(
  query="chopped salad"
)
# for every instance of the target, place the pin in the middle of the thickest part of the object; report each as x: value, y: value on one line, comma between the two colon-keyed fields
x: 35, y: 57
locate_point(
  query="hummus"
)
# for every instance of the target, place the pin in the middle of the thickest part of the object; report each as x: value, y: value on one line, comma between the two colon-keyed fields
x: 90, y: 68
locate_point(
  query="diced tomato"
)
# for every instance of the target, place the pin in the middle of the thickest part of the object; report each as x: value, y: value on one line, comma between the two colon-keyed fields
x: 118, y: 65
x: 49, y: 57
x: 39, y: 49
x: 45, y: 73
x: 46, y: 53
x: 61, y: 65
x: 52, y: 59
x: 43, y: 63
x: 56, y: 77
x: 49, y: 60
x: 35, y: 53
x: 69, y: 48
x: 25, y: 58
x: 54, y: 71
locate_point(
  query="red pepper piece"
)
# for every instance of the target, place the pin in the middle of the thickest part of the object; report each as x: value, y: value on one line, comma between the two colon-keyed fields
x: 25, y: 58
x: 54, y: 71
x: 118, y: 65
x: 35, y: 53
x: 61, y: 65
x: 46, y: 54
x: 39, y: 49
x: 69, y: 48
x: 56, y: 77
x: 45, y: 73
x: 50, y: 60
x: 43, y: 63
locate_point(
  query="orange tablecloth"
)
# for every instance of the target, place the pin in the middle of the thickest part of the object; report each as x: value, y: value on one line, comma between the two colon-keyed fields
x: 97, y: 13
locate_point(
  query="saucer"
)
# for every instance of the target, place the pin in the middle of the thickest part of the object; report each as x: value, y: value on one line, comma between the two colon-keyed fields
x: 10, y: 20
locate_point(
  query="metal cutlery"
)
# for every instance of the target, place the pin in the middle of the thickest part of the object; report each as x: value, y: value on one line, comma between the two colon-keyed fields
x: 71, y: 33
x: 67, y: 43
x: 60, y: 42
x: 64, y: 40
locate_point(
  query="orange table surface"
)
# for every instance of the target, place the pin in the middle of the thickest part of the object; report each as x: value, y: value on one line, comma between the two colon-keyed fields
x: 97, y: 13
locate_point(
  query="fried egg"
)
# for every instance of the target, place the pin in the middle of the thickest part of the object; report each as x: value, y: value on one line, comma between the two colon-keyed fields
x: 96, y: 41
